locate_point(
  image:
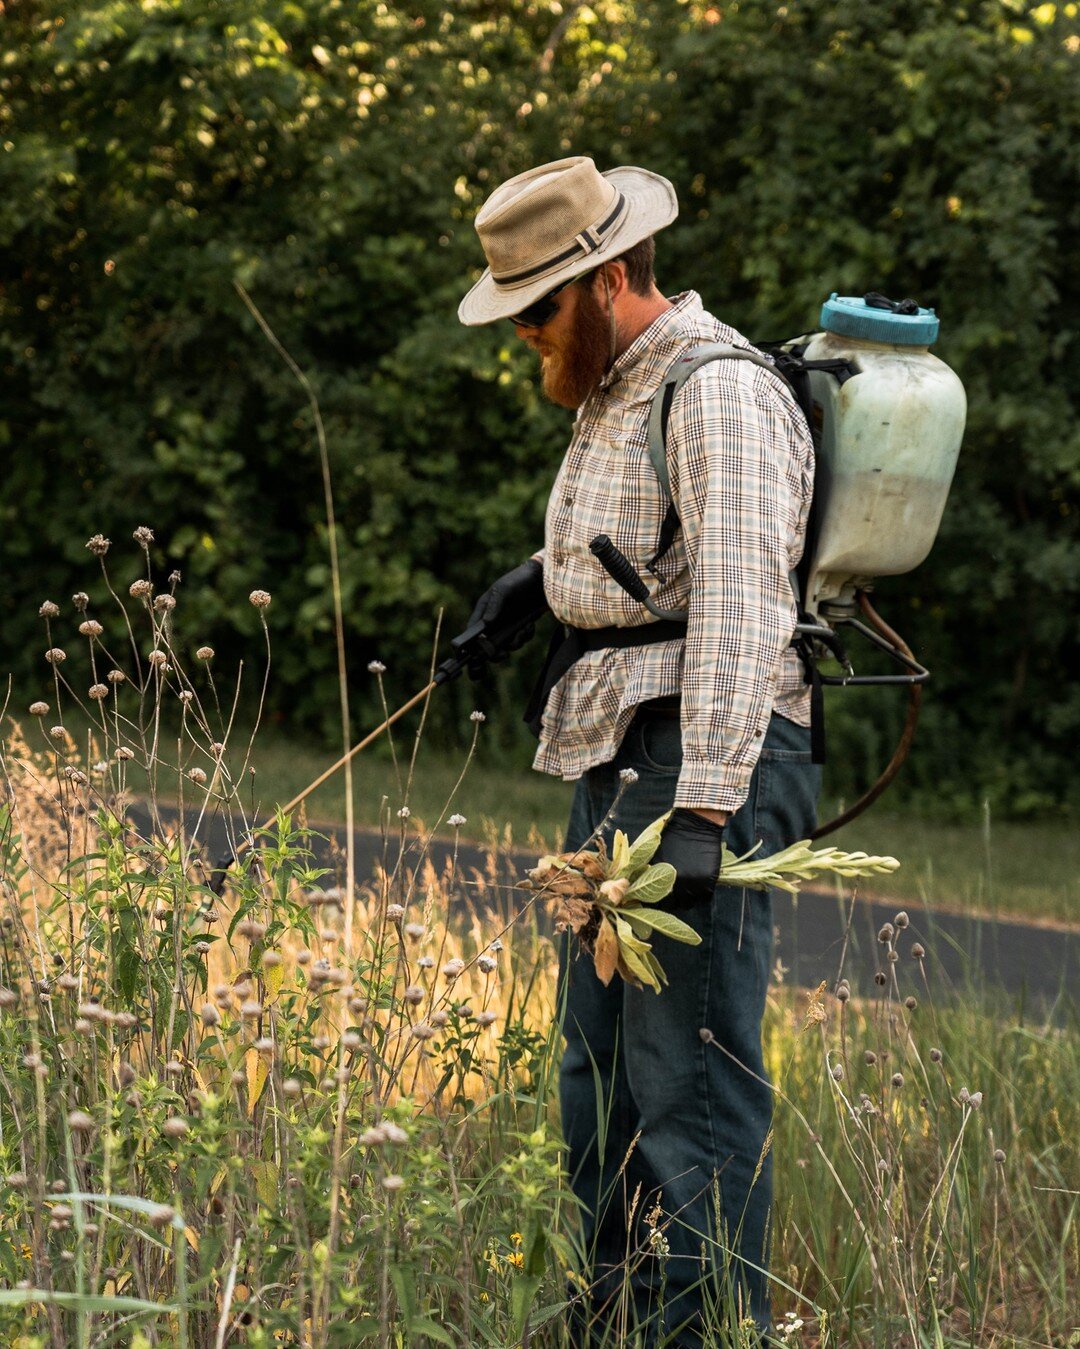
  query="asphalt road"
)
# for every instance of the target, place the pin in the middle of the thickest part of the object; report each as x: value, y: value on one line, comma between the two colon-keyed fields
x: 817, y: 933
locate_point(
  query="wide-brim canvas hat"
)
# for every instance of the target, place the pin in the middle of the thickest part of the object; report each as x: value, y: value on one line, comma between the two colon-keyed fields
x: 543, y: 228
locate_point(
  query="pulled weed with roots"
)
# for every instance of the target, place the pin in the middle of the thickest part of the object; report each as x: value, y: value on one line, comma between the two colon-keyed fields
x: 256, y: 1106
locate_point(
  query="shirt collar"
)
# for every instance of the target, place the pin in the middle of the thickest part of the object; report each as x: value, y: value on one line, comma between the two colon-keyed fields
x: 685, y: 312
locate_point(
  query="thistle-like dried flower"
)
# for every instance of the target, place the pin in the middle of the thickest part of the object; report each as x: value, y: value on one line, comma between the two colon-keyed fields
x: 143, y: 536
x: 392, y: 1132
x: 174, y: 1068
x: 198, y: 776
x: 67, y: 982
x: 38, y: 709
x: 57, y: 733
x: 49, y: 610
x: 80, y: 600
x: 260, y: 599
x: 161, y: 1215
x: 250, y: 1010
x: 99, y: 692
x: 843, y: 992
x: 99, y: 545
x: 426, y: 962
x: 376, y: 667
x: 8, y: 997
x: 205, y: 653
x: 453, y: 968
x: 164, y: 604
x: 838, y: 1072
x: 414, y: 931
x: 870, y: 1058
x: 140, y: 589
x: 999, y: 1157
x: 291, y: 1088
x: 56, y: 655
x: 175, y: 577
x: 17, y: 1179
x: 414, y: 994
x: 886, y: 933
x: 76, y: 775
x: 264, y: 1046
x: 186, y: 697
x: 392, y: 1183
x: 486, y: 964
x: 706, y: 1036
x: 116, y: 677
x: 404, y: 813
x: 440, y: 1018
x: 456, y: 821
x: 485, y: 1018
x: 898, y: 1079
x: 125, y: 1075
x: 124, y: 753
x: 628, y: 776
x: 879, y: 978
x: 395, y: 912
x: 496, y: 945
x: 79, y: 1122
x: 911, y: 1003
x: 901, y: 920
x: 373, y: 1137
x: 90, y: 627
x: 477, y: 716
x: 270, y: 960
x: 975, y: 1100
x: 157, y: 658
x: 422, y: 1031
x: 303, y: 957
x: 210, y: 1015
x: 250, y: 928
x: 175, y: 1127
x: 918, y: 951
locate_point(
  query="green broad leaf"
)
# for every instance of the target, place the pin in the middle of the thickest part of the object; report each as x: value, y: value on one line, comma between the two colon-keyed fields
x: 620, y: 855
x: 523, y: 1293
x: 640, y: 969
x: 644, y: 847
x: 420, y: 1325
x: 657, y: 968
x: 660, y: 920
x: 536, y: 1258
x: 639, y: 924
x: 404, y: 1281
x: 627, y: 940
x: 134, y: 1203
x: 654, y: 884
x: 88, y: 1302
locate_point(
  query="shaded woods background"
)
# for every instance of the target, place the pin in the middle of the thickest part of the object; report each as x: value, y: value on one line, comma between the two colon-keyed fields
x: 331, y: 157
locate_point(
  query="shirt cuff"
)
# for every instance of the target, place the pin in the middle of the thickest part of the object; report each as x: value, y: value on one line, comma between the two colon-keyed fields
x: 707, y: 786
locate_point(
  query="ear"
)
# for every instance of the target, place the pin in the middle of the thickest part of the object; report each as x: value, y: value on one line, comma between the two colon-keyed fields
x: 617, y: 281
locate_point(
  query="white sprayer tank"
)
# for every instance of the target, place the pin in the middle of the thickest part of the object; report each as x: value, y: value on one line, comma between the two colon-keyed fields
x: 889, y: 440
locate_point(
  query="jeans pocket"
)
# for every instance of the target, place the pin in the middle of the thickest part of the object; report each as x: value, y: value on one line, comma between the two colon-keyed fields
x: 660, y: 743
x: 786, y: 742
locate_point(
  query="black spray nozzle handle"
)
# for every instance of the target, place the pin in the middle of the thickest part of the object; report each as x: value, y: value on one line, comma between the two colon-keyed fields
x: 619, y: 567
x: 874, y: 299
x: 486, y: 642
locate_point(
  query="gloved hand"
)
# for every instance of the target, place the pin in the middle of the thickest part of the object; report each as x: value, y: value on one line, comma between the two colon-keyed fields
x: 514, y: 595
x: 691, y: 843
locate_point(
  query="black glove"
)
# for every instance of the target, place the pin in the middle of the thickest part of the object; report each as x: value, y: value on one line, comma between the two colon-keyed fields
x: 512, y: 598
x: 691, y: 843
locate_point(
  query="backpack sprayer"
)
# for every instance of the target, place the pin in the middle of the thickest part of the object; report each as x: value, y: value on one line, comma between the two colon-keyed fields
x: 887, y: 419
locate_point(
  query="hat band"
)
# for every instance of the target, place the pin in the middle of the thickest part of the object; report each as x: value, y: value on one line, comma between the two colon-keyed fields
x: 588, y: 241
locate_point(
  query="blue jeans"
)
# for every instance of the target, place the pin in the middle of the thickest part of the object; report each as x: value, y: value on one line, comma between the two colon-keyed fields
x: 651, y: 1113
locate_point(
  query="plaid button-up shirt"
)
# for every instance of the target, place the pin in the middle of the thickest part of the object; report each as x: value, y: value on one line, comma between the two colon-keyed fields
x: 741, y: 467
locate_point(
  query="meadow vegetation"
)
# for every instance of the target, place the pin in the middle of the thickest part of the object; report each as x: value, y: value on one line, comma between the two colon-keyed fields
x: 258, y: 1108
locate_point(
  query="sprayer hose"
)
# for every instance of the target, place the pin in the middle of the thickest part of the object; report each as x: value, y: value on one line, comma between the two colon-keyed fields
x: 901, y: 752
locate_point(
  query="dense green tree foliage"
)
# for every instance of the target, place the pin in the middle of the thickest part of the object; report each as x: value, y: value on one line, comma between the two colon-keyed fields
x: 330, y: 157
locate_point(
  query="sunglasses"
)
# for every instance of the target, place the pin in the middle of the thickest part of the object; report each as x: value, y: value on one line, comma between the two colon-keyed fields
x: 542, y: 311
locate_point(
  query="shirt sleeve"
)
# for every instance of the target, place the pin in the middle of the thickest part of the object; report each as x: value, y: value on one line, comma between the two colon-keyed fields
x: 741, y: 476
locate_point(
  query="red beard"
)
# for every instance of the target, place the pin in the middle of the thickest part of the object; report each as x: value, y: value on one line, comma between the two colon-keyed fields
x: 571, y: 374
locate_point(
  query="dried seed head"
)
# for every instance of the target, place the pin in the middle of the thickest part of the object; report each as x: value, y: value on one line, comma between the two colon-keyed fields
x: 303, y: 957
x: 404, y: 813
x: 898, y: 1079
x: 456, y: 821
x: 374, y: 1137
x: 291, y: 1088
x: 80, y: 600
x: 79, y: 1122
x: 57, y: 733
x: 99, y: 692
x: 870, y: 1058
x: 477, y: 716
x: 376, y: 667
x: 123, y: 753
x: 175, y: 577
x: 838, y: 1072
x: 414, y: 994
x: 351, y: 1041
x: 116, y: 677
x: 628, y: 776
x: 975, y: 1100
x: 263, y: 1045
x: 140, y: 589
x: 175, y: 1127
x: 99, y: 545
x: 918, y: 951
x: 901, y: 920
x: 486, y: 964
x: 49, y: 610
x: 440, y: 1018
x: 886, y: 933
x: 250, y: 1010
x: 17, y: 1179
x: 90, y: 627
x: 252, y: 929
x: 395, y: 912
x: 879, y: 978
x: 843, y: 993
x: 453, y: 968
x: 422, y: 1031
x: 38, y: 709
x: 76, y: 776
x: 157, y: 658
x: 67, y: 982
x: 161, y: 1215
x: 260, y: 599
x: 999, y: 1157
x: 143, y: 536
x: 174, y: 1068
x: 392, y: 1183
x: 8, y: 997
x: 165, y: 604
x: 706, y: 1035
x: 911, y: 1003
x: 210, y: 1014
x: 414, y: 931
x: 485, y: 1018
x: 393, y: 1133
x: 56, y: 655
x: 426, y: 962
x: 270, y: 960
x: 125, y: 1075
x: 892, y: 957
x: 205, y: 653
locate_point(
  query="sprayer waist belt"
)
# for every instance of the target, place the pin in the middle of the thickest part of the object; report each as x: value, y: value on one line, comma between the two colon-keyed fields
x: 568, y: 645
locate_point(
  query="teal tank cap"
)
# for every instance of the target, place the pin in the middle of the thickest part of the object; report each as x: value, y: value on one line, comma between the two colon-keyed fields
x: 876, y: 319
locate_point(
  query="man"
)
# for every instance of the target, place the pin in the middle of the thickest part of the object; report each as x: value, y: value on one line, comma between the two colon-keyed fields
x: 666, y: 1108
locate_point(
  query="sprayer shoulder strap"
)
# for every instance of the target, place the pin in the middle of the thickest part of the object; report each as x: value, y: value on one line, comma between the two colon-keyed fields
x: 660, y: 413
